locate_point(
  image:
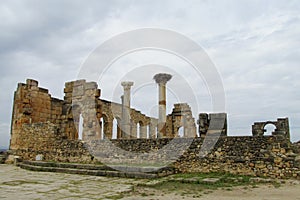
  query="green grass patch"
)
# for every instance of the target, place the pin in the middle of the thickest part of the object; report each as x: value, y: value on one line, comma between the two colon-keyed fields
x: 193, y: 183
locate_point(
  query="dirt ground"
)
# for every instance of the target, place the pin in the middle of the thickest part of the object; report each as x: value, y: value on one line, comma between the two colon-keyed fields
x: 16, y: 183
x: 262, y: 192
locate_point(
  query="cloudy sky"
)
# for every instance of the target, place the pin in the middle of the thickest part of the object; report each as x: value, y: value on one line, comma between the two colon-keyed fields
x: 254, y: 45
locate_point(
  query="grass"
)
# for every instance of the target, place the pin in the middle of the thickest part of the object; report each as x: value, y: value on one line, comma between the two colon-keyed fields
x: 225, y: 179
x: 180, y: 185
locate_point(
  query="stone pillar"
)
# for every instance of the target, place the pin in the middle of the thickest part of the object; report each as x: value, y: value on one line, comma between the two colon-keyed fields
x: 152, y: 128
x: 126, y: 133
x: 161, y: 79
x: 143, y: 131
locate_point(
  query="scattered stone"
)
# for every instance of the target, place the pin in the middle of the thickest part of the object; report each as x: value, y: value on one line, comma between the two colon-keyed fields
x: 210, y: 180
x: 261, y: 180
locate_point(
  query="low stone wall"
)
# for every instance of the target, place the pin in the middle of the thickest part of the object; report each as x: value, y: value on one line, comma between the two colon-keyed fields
x: 261, y: 156
x: 268, y: 156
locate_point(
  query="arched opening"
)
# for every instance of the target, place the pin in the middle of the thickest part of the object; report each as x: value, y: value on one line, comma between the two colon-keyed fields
x: 138, y: 130
x: 80, y: 127
x: 269, y: 129
x: 115, y: 129
x: 104, y: 126
x: 141, y: 130
x: 180, y: 131
x: 148, y: 131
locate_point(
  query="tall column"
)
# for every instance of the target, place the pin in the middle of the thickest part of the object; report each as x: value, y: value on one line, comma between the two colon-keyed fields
x: 161, y: 79
x: 126, y: 133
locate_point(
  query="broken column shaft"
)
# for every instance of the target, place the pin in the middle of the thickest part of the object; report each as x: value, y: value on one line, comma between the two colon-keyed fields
x: 126, y: 133
x: 161, y: 79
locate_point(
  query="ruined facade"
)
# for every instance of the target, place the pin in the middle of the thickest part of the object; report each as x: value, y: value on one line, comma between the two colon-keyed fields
x: 43, y: 125
x: 82, y: 106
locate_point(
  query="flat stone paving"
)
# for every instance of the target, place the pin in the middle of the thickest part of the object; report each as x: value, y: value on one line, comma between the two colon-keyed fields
x: 17, y: 183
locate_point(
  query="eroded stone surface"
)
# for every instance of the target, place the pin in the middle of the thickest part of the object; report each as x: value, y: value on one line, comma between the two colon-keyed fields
x: 16, y: 183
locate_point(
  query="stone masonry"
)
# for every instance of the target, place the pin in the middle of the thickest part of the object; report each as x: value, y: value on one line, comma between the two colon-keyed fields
x: 43, y: 125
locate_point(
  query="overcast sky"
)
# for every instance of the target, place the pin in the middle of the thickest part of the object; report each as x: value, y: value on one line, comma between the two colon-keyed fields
x: 253, y: 44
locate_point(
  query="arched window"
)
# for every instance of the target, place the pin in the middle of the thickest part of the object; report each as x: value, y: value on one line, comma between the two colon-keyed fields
x: 269, y: 129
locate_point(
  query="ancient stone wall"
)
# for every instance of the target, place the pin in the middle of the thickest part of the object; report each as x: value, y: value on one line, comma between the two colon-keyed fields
x: 45, y: 139
x: 49, y: 126
x: 82, y: 101
x: 32, y: 104
x: 267, y: 156
x: 212, y: 123
x: 261, y: 156
x: 181, y: 117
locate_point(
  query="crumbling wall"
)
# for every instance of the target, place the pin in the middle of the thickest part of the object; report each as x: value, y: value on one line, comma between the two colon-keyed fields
x: 45, y: 139
x: 266, y: 156
x: 212, y: 123
x: 32, y: 104
x: 181, y: 117
x: 282, y: 128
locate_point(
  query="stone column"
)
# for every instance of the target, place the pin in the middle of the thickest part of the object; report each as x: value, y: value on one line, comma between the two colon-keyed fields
x: 126, y: 133
x: 161, y: 79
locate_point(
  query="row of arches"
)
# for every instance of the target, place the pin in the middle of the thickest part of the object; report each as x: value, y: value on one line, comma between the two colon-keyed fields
x: 110, y: 127
x: 113, y: 129
x: 115, y: 132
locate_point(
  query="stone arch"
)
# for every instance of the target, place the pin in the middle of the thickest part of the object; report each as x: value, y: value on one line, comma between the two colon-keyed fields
x: 116, y: 128
x: 106, y: 127
x: 266, y: 128
x: 281, y: 128
x: 148, y: 127
x: 138, y: 130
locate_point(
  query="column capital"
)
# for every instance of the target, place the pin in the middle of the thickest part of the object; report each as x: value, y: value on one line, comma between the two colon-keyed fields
x: 127, y: 84
x: 162, y: 78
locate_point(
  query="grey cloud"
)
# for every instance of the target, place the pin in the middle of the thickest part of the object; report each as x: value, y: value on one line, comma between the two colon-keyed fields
x: 254, y: 44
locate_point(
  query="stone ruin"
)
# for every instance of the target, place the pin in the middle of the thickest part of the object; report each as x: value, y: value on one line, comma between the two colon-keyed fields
x: 282, y: 128
x: 49, y: 128
x: 82, y: 101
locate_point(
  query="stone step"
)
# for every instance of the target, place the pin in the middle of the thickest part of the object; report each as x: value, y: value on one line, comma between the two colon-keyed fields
x: 98, y: 170
x: 68, y: 165
x: 88, y: 172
